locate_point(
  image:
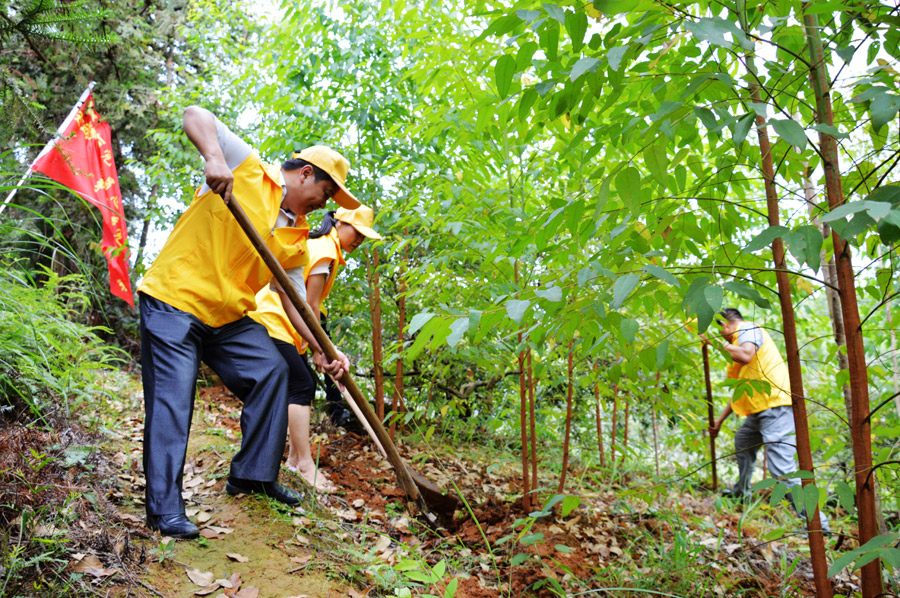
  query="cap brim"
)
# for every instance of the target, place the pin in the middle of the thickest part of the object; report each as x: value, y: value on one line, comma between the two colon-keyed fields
x: 367, y: 232
x: 344, y: 198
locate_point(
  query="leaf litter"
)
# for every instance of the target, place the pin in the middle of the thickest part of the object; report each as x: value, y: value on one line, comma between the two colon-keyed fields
x: 341, y: 543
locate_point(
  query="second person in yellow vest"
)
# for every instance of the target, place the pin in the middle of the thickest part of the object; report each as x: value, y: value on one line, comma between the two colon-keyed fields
x: 341, y: 232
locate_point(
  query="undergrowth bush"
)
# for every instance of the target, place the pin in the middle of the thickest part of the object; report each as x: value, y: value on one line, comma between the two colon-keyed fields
x: 49, y: 363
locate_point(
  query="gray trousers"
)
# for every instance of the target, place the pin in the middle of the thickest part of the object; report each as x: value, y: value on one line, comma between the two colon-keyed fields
x: 173, y: 343
x: 774, y: 429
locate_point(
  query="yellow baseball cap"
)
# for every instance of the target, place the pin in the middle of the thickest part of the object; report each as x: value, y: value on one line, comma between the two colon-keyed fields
x: 336, y: 166
x: 361, y: 219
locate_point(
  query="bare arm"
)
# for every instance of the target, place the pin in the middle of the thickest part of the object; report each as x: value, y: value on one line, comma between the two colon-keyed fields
x: 200, y: 126
x: 740, y: 353
x: 714, y: 429
x: 315, y: 284
x: 335, y: 368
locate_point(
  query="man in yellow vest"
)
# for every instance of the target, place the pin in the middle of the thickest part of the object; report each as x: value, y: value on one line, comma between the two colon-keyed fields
x: 194, y: 302
x: 769, y: 418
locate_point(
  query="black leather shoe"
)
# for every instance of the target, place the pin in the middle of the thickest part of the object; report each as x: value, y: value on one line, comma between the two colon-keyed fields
x: 273, y: 490
x: 174, y: 526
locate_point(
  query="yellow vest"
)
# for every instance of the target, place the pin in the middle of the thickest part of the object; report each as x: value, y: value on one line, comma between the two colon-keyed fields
x: 766, y: 365
x: 269, y: 310
x: 208, y: 267
x: 327, y: 248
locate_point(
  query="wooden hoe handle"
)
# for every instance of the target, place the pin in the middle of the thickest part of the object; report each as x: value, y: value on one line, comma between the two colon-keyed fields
x: 403, y: 475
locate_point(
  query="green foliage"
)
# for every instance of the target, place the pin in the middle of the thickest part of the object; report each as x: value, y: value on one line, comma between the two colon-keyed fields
x: 50, y: 364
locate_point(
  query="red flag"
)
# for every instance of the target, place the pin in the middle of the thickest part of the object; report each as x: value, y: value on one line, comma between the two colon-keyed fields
x: 82, y: 160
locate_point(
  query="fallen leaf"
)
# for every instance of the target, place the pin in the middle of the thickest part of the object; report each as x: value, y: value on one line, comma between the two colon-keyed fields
x: 354, y: 594
x: 204, y: 516
x: 401, y: 524
x: 201, y: 578
x: 207, y: 590
x: 383, y: 543
x: 91, y: 565
x: 301, y: 560
x: 220, y: 530
x: 248, y: 592
x: 211, y: 535
x: 348, y: 514
x: 194, y: 482
x: 237, y: 557
x: 359, y: 503
x: 225, y: 583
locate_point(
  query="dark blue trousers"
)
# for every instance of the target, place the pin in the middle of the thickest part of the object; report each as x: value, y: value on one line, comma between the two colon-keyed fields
x: 173, y: 343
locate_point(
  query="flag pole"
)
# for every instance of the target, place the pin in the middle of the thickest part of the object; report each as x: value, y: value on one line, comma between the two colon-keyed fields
x: 49, y: 145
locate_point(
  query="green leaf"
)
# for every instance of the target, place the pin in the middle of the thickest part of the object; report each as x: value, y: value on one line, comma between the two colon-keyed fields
x: 524, y: 55
x: 748, y: 292
x: 450, y: 590
x: 763, y: 484
x: 791, y: 131
x: 474, y: 319
x: 657, y: 162
x: 418, y: 321
x: 628, y: 185
x: 742, y: 128
x: 531, y: 539
x: 615, y: 7
x: 891, y: 556
x: 778, y: 493
x: 553, y: 294
x: 662, y: 274
x: 515, y: 309
x: 846, y: 496
x: 602, y: 198
x: 440, y: 569
x: 876, y: 210
x: 583, y: 65
x: 629, y: 329
x: 457, y: 329
x: 556, y: 13
x: 576, y: 26
x: 622, y: 288
x: 662, y: 350
x: 696, y: 302
x: 765, y: 238
x: 563, y: 548
x: 810, y: 498
x: 503, y: 74
x: 829, y: 130
x: 615, y: 55
x: 518, y: 559
x: 841, y: 562
x: 883, y: 109
x: 569, y: 504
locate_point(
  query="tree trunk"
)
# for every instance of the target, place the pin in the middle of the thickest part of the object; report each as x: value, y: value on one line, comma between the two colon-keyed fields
x: 377, y: 349
x: 614, y: 431
x: 145, y: 230
x: 531, y: 383
x: 859, y: 388
x: 523, y: 414
x: 625, y: 425
x: 397, y: 403
x: 710, y: 414
x: 599, y: 425
x: 569, y: 392
x: 655, y: 431
x: 792, y: 348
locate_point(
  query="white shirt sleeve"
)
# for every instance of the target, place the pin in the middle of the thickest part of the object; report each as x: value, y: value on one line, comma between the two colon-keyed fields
x: 233, y: 147
x: 295, y: 275
x: 324, y: 267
